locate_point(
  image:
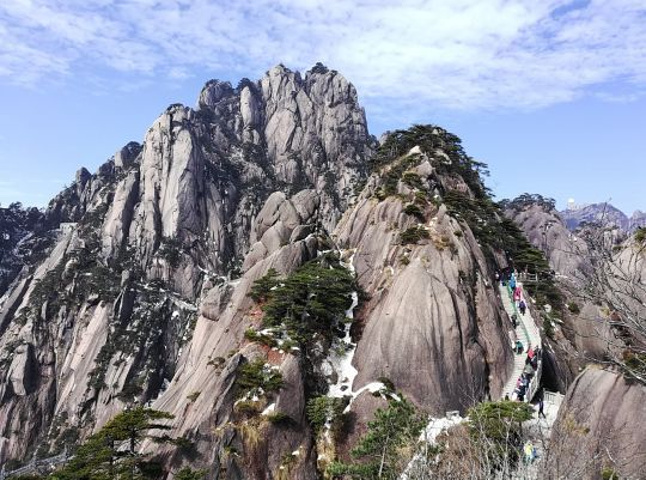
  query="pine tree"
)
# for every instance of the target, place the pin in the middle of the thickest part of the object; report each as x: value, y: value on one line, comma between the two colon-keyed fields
x: 261, y: 289
x: 111, y: 453
x: 311, y: 300
x: 386, y: 448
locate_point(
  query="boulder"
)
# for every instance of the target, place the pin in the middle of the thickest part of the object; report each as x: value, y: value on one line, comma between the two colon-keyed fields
x: 598, y: 428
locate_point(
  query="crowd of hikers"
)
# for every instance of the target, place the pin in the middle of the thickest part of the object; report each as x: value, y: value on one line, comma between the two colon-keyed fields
x: 532, y: 357
x: 508, y: 278
x: 531, y: 365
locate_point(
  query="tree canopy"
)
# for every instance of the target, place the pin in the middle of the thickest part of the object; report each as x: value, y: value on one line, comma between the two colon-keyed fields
x: 310, y: 301
x: 111, y: 453
x: 387, y: 446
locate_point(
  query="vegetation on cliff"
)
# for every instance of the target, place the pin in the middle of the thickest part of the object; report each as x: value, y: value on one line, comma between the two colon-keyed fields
x: 387, y: 446
x: 308, y: 304
x: 113, y: 453
x: 403, y: 150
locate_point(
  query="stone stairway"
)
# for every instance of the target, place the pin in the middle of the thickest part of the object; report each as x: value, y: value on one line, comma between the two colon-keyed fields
x: 527, y: 332
x: 538, y: 429
x: 37, y: 467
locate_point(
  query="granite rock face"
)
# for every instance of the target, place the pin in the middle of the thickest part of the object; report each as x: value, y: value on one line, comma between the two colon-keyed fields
x: 546, y: 230
x: 567, y: 255
x: 151, y: 241
x: 584, y: 331
x: 143, y: 296
x: 603, y: 213
x: 438, y: 306
x: 211, y: 420
x: 433, y: 324
x: 23, y: 237
x: 637, y: 220
x: 596, y: 428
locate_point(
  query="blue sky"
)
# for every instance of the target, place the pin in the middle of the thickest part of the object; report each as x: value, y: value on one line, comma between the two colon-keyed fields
x: 549, y: 93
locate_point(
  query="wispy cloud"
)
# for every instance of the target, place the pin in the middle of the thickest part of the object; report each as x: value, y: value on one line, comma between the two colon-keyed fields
x: 463, y: 54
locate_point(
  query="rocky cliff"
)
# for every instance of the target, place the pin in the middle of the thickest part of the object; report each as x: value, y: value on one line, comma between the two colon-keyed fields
x: 423, y: 287
x: 252, y: 261
x: 546, y: 229
x: 24, y: 239
x: 602, y: 281
x: 605, y: 214
x: 578, y: 332
x: 104, y: 318
x: 428, y: 282
x: 596, y: 434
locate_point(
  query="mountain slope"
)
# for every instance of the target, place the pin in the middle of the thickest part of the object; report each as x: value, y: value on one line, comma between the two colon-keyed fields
x: 428, y: 295
x: 428, y: 281
x: 259, y: 270
x: 23, y: 239
x: 602, y: 329
x: 102, y: 321
x: 603, y: 213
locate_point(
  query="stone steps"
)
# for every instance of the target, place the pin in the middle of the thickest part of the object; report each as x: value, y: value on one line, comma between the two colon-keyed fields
x: 527, y: 332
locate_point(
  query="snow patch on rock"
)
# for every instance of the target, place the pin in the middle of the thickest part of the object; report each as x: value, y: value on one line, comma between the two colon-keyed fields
x: 428, y: 436
x: 270, y: 409
x: 342, y: 353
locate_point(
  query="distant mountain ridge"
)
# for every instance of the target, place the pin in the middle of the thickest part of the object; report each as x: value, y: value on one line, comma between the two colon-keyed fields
x: 603, y: 213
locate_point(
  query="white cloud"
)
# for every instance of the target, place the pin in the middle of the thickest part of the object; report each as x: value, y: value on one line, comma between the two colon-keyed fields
x: 463, y: 54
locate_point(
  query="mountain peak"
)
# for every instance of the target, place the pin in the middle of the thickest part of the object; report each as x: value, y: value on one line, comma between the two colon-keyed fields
x: 319, y: 68
x: 214, y: 91
x: 604, y: 213
x: 82, y: 176
x: 162, y: 222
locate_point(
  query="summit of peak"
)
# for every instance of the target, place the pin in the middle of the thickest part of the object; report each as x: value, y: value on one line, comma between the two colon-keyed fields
x: 319, y: 68
x: 279, y: 69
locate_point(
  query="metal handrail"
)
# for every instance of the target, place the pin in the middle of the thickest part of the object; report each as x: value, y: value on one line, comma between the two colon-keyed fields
x: 528, y: 277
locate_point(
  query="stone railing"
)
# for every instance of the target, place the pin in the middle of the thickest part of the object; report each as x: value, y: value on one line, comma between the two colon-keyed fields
x: 553, y: 398
x: 37, y: 466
